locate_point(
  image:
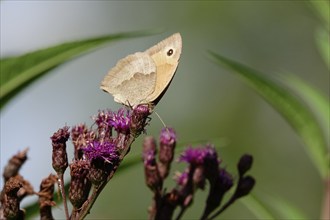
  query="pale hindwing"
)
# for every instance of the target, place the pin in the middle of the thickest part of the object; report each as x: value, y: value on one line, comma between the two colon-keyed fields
x: 166, y: 64
x: 132, y: 80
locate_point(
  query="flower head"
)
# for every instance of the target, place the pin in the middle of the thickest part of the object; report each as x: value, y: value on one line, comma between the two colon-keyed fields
x: 102, y: 118
x: 167, y: 143
x: 192, y: 155
x: 199, y: 156
x: 106, y: 151
x: 167, y: 136
x: 104, y: 128
x: 120, y: 121
x: 225, y: 179
x: 139, y: 119
x: 81, y: 136
x: 181, y: 178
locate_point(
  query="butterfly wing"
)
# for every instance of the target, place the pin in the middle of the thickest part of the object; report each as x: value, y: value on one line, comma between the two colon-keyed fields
x: 166, y: 55
x: 132, y: 80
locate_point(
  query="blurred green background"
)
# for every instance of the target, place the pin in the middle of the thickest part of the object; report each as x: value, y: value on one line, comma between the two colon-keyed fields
x: 204, y: 102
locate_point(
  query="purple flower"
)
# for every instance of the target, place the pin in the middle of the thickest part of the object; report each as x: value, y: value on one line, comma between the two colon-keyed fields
x: 139, y: 119
x: 167, y: 145
x: 192, y: 155
x: 167, y: 136
x: 149, y: 151
x: 225, y: 179
x: 149, y: 159
x: 106, y: 151
x: 120, y: 121
x: 199, y: 156
x: 108, y: 119
x: 102, y: 118
x: 81, y: 136
x: 104, y: 128
x: 181, y: 178
x: 210, y: 153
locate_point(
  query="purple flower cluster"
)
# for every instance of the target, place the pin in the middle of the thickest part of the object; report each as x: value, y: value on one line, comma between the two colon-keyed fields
x: 101, y: 143
x: 203, y: 167
x: 200, y: 155
x: 119, y: 121
x: 97, y: 152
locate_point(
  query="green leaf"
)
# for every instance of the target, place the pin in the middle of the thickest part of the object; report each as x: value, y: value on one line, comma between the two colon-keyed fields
x: 322, y: 9
x: 291, y: 108
x: 287, y: 210
x: 316, y: 101
x: 257, y: 208
x: 18, y: 72
x: 323, y: 44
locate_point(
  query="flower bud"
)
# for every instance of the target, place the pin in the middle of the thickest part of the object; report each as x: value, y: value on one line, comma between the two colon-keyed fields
x: 139, y: 118
x: 81, y: 136
x: 152, y: 176
x: 104, y: 127
x: 10, y: 200
x: 167, y: 145
x: 244, y: 164
x: 79, y: 185
x: 59, y: 156
x: 46, y: 197
x: 245, y: 186
x: 14, y: 164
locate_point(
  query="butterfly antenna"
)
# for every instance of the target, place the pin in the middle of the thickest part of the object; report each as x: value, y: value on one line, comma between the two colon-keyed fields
x: 161, y: 119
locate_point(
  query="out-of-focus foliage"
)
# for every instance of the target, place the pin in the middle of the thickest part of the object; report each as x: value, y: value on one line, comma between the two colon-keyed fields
x: 18, y: 72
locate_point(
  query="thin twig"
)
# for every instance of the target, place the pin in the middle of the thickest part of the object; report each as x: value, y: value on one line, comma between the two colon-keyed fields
x: 60, y: 182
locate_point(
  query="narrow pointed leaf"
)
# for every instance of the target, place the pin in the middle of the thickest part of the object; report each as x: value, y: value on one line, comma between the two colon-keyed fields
x: 292, y: 109
x: 323, y: 44
x: 322, y: 9
x: 287, y: 210
x: 317, y: 101
x: 18, y: 72
x: 257, y: 208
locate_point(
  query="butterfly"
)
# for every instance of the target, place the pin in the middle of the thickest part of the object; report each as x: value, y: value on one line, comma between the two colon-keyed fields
x: 143, y: 77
